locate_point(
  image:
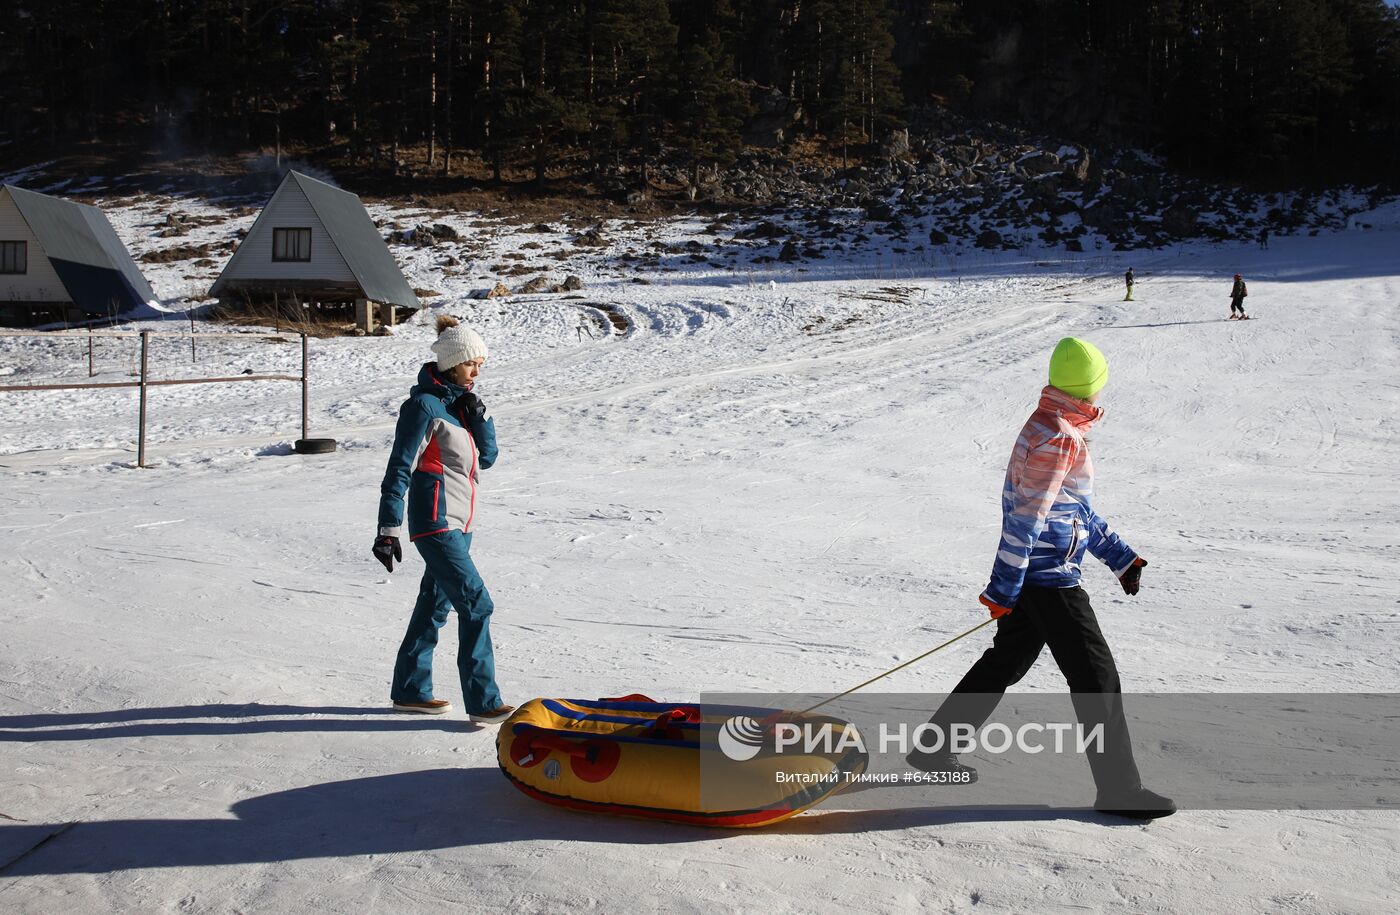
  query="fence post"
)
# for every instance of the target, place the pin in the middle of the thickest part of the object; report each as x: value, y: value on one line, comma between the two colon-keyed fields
x: 305, y: 428
x: 141, y: 434
x: 90, y: 370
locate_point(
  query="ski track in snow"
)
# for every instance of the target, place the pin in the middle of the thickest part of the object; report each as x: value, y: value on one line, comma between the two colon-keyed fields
x: 730, y: 495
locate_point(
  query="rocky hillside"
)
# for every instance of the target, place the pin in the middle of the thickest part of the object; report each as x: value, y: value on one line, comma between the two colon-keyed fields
x: 992, y: 187
x: 943, y: 185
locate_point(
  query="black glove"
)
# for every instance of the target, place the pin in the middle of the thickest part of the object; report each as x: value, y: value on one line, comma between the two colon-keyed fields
x: 472, y: 406
x: 386, y: 550
x: 1131, y: 579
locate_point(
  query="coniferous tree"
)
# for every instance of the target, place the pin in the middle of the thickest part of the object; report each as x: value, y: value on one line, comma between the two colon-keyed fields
x: 501, y: 78
x: 394, y: 59
x: 840, y: 57
x: 811, y: 54
x: 552, y: 96
x: 341, y: 58
x: 629, y: 74
x: 872, y: 44
x: 710, y: 104
x: 1285, y: 90
x: 938, y: 49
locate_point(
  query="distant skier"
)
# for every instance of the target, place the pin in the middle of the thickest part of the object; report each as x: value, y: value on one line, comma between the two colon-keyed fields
x: 1128, y: 280
x: 444, y: 436
x: 1238, y: 292
x: 1034, y: 594
x: 1264, y: 238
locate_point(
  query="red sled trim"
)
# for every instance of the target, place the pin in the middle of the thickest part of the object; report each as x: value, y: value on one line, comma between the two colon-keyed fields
x: 731, y: 819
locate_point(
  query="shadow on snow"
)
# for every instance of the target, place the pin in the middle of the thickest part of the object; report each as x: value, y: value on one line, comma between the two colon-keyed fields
x: 404, y: 812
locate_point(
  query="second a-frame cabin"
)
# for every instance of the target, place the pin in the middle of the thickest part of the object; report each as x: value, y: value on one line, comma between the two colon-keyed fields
x: 313, y: 243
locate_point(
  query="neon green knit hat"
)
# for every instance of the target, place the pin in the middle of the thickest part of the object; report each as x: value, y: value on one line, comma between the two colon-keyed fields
x: 1078, y: 368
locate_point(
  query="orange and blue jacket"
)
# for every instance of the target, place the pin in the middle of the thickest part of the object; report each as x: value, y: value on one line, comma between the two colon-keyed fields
x: 1048, y: 521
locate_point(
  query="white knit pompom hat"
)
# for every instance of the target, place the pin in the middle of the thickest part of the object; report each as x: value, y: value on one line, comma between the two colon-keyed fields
x: 457, y: 343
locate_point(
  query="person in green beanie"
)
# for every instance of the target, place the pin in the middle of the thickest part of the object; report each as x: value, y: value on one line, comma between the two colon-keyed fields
x: 1048, y: 524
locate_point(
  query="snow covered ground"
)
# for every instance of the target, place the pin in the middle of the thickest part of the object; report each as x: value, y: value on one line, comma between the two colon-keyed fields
x: 762, y: 476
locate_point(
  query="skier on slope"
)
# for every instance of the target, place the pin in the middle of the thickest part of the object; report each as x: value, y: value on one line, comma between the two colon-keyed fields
x: 1034, y: 594
x: 1128, y: 280
x: 444, y: 436
x: 1237, y: 296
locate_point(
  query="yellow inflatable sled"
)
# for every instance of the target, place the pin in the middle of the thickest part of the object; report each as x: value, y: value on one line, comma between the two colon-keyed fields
x: 707, y: 766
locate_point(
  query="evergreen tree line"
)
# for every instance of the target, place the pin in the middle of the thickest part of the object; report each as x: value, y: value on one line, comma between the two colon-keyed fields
x: 1289, y: 89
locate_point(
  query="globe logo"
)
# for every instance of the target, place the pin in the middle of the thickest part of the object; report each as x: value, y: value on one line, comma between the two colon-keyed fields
x: 741, y: 738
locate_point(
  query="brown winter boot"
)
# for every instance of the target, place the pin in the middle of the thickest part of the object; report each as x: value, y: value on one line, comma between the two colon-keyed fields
x: 495, y: 716
x: 431, y: 707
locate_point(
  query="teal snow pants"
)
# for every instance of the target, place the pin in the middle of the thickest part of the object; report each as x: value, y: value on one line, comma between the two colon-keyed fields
x: 451, y: 582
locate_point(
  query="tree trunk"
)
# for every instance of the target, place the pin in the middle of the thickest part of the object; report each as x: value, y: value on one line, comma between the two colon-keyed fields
x: 447, y: 99
x: 354, y: 98
x: 432, y: 98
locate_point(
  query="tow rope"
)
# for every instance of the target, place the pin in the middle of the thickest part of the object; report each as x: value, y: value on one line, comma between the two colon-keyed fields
x: 899, y: 667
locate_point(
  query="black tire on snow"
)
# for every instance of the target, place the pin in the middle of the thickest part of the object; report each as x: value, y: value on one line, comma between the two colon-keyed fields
x: 314, y: 445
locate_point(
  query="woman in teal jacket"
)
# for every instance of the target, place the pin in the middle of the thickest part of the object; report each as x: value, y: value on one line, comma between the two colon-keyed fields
x: 443, y: 439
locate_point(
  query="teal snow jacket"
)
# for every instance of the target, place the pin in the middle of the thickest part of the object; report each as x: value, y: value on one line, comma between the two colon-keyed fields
x: 438, y: 450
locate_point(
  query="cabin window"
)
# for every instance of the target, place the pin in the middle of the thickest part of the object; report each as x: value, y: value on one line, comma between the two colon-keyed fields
x: 291, y: 244
x: 14, y: 257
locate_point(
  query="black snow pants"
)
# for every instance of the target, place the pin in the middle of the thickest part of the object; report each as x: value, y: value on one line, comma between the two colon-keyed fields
x: 1237, y: 304
x: 1063, y: 619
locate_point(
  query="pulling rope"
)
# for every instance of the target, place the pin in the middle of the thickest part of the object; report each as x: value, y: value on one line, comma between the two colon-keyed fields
x: 900, y: 667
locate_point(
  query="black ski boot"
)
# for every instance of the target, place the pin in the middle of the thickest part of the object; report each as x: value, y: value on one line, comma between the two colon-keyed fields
x: 1138, y: 804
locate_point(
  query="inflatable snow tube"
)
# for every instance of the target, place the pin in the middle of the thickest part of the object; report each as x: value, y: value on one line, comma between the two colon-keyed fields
x: 684, y: 763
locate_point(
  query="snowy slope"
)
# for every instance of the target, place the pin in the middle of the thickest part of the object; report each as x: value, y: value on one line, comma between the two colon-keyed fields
x: 730, y: 494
